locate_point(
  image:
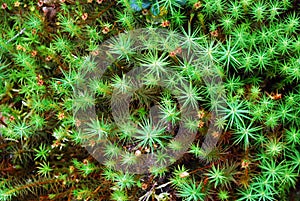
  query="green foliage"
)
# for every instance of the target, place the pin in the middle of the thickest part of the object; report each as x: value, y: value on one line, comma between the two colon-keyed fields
x: 119, y: 196
x: 235, y: 113
x: 223, y: 195
x: 191, y: 191
x: 154, y: 64
x: 42, y: 152
x: 229, y: 53
x: 168, y: 110
x: 233, y: 66
x: 244, y: 134
x: 150, y: 134
x: 44, y: 169
x: 221, y: 177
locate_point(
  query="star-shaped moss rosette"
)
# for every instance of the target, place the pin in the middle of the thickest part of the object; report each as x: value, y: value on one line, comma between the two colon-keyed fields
x: 155, y: 5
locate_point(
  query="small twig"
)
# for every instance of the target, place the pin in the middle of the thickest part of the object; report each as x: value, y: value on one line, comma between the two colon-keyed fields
x: 106, y: 9
x: 94, y: 192
x: 11, y: 139
x: 163, y: 185
x: 202, y: 168
x: 148, y: 194
x: 21, y: 32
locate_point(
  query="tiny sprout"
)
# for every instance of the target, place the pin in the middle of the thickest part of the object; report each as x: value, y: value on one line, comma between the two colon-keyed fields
x: 201, y: 114
x: 11, y: 118
x: 17, y: 4
x: 84, y: 16
x: 214, y: 33
x: 40, y: 3
x: 147, y: 149
x: 4, y: 6
x: 85, y: 161
x: 274, y: 96
x: 61, y: 116
x: 137, y: 153
x: 71, y: 168
x: 215, y: 134
x: 145, y: 12
x: 184, y: 174
x: 144, y: 186
x: 57, y: 143
x: 201, y: 124
x: 34, y: 53
x: 172, y: 54
x: 19, y: 47
x: 175, y: 52
x: 165, y: 23
x: 105, y: 30
x: 245, y: 163
x: 197, y: 5
x: 40, y: 80
x: 48, y: 58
